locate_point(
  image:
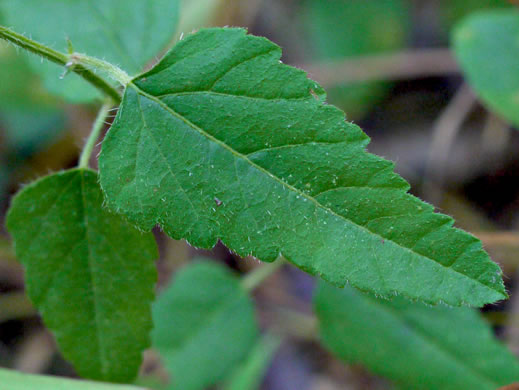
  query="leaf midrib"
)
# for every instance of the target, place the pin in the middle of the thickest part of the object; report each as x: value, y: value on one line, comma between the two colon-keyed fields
x: 290, y: 187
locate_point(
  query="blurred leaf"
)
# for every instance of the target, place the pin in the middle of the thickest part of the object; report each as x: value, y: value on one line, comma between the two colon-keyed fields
x: 19, y: 86
x: 30, y: 118
x: 453, y: 11
x: 250, y: 373
x: 4, y: 181
x: 13, y: 380
x: 32, y: 129
x: 487, y: 49
x: 128, y: 33
x: 88, y: 272
x: 243, y: 149
x: 197, y: 13
x: 417, y: 346
x: 204, y: 325
x: 342, y: 29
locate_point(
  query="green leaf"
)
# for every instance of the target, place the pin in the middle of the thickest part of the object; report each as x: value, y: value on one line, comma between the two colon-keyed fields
x: 250, y: 374
x: 88, y: 272
x: 12, y: 380
x: 128, y: 33
x: 453, y: 11
x: 418, y: 346
x: 487, y: 49
x: 343, y: 29
x: 204, y: 326
x: 222, y: 141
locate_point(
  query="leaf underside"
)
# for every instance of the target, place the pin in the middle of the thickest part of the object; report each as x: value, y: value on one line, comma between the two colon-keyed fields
x: 222, y: 141
x: 417, y: 346
x: 88, y: 272
x: 128, y: 33
x: 487, y: 49
x: 204, y: 326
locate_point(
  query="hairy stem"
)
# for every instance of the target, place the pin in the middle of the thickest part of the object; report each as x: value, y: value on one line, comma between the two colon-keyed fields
x: 254, y: 278
x: 94, y: 135
x: 73, y: 62
x: 113, y: 71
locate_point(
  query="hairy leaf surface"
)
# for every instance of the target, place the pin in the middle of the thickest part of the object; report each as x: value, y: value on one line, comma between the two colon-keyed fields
x: 222, y: 141
x: 204, y: 326
x: 128, y: 33
x: 417, y: 346
x: 88, y: 272
x: 487, y: 49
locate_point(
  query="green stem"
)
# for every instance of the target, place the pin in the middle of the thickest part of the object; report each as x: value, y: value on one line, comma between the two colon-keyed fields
x: 113, y: 71
x: 295, y: 323
x: 254, y: 278
x: 94, y: 135
x: 73, y: 62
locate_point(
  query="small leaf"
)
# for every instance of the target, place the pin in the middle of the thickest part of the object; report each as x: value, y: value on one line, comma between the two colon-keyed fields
x: 487, y: 49
x: 88, y: 272
x: 417, y: 346
x: 13, y: 380
x: 128, y: 33
x: 221, y: 118
x: 249, y: 375
x: 204, y: 326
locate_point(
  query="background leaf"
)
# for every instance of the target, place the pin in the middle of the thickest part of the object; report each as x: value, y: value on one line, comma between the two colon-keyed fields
x: 487, y: 49
x: 12, y: 380
x: 197, y: 13
x: 453, y: 11
x: 418, y: 346
x: 30, y: 118
x: 341, y: 29
x: 88, y: 272
x: 222, y: 141
x: 204, y: 326
x: 128, y: 33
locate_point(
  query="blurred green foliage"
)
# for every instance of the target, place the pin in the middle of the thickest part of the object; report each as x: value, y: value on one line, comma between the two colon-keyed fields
x: 337, y: 30
x: 30, y: 117
x: 204, y: 325
x: 417, y: 346
x: 452, y: 11
x: 487, y: 47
